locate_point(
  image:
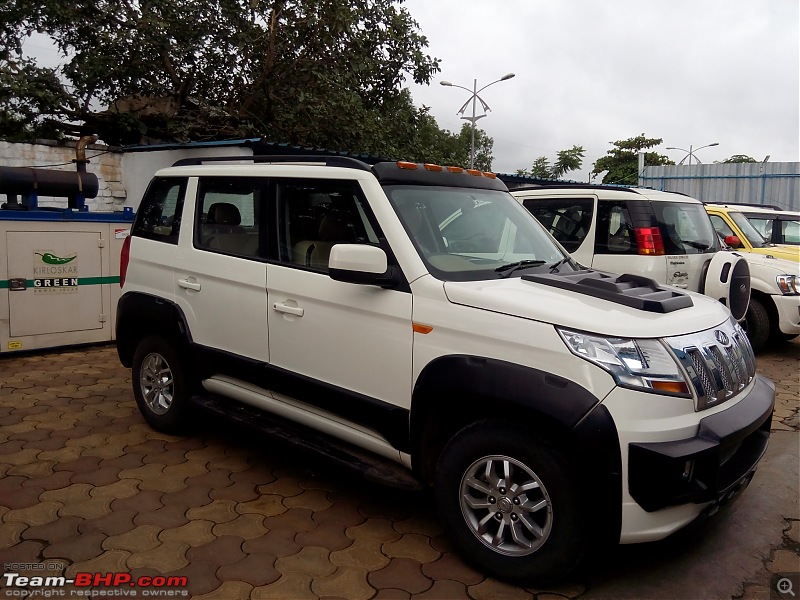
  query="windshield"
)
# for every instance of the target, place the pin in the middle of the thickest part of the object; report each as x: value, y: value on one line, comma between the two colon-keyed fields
x: 788, y: 233
x: 467, y: 234
x: 751, y: 233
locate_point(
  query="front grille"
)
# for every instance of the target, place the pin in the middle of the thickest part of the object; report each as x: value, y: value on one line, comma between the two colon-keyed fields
x: 720, y: 362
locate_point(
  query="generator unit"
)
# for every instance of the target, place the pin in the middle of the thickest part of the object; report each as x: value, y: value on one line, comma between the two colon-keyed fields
x: 59, y: 267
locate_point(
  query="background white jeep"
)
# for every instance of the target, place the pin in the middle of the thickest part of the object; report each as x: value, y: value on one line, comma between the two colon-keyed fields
x: 420, y: 314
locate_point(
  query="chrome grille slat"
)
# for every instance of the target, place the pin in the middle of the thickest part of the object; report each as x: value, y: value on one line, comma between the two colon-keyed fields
x: 720, y: 362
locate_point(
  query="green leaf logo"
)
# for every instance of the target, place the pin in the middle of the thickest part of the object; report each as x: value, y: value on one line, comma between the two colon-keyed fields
x: 52, y: 259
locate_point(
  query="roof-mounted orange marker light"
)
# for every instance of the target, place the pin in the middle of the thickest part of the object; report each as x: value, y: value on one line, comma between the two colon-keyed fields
x: 430, y: 167
x: 455, y: 169
x: 489, y: 175
x: 406, y: 165
x: 474, y: 172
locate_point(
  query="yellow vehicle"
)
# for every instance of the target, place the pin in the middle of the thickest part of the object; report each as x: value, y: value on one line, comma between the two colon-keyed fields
x: 731, y: 223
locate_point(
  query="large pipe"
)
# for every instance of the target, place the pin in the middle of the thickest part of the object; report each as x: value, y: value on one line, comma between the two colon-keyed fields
x: 48, y: 182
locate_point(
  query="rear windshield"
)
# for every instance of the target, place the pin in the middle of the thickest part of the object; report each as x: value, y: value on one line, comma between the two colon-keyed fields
x: 472, y: 234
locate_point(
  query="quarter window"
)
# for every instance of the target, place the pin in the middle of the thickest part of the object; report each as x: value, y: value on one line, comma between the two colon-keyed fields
x: 159, y: 216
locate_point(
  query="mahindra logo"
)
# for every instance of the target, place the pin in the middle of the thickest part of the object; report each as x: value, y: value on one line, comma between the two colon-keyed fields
x: 721, y: 337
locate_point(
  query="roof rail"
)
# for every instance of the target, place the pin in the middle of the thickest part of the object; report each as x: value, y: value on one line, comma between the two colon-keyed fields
x: 328, y: 161
x: 565, y: 186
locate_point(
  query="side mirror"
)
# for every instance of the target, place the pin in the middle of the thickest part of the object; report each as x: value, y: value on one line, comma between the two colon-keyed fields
x: 733, y: 241
x: 362, y: 264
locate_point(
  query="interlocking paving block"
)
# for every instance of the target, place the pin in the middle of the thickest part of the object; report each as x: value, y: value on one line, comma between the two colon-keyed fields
x: 269, y: 506
x: 194, y: 533
x: 220, y: 551
x: 77, y: 492
x: 18, y: 496
x: 118, y: 521
x: 401, y: 574
x: 100, y: 477
x: 27, y: 551
x: 83, y: 464
x: 10, y: 447
x: 88, y: 509
x: 256, y: 570
x: 201, y: 577
x: 285, y: 487
x: 492, y: 589
x: 169, y: 556
x: 247, y: 526
x: 107, y: 562
x: 52, y: 481
x: 294, y: 586
x: 423, y: 524
x: 144, y: 501
x: 24, y: 456
x: 312, y: 499
x: 311, y: 560
x: 186, y: 469
x: 143, y: 473
x: 345, y: 582
x: 446, y: 589
x: 238, y: 492
x: 188, y: 497
x: 329, y: 535
x: 414, y: 546
x: 450, y: 566
x: 39, y: 514
x: 392, y: 594
x: 215, y: 480
x: 35, y: 470
x: 122, y: 463
x: 257, y: 475
x: 11, y: 534
x: 228, y: 591
x: 374, y: 528
x: 78, y: 547
x: 277, y: 543
x: 364, y: 554
x: 217, y: 511
x: 60, y: 529
x: 167, y: 517
x: 139, y: 539
x: 344, y: 514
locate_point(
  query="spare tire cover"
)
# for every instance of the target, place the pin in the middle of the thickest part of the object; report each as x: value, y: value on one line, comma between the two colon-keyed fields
x: 728, y: 280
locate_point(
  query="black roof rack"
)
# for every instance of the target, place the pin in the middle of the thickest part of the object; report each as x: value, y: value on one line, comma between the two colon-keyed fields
x: 328, y: 161
x: 569, y: 185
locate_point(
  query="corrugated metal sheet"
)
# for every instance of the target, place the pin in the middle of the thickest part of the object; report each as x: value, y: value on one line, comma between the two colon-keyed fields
x: 775, y: 183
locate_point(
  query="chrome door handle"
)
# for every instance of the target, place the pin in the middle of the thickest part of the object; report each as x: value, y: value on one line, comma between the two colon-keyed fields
x: 189, y: 284
x: 285, y: 308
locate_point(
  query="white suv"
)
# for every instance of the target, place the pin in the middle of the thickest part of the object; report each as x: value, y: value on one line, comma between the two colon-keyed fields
x: 661, y: 235
x: 421, y: 314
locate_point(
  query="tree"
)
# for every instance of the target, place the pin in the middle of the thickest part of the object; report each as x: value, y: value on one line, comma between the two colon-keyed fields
x: 622, y: 162
x: 308, y: 72
x: 566, y: 161
x: 740, y: 158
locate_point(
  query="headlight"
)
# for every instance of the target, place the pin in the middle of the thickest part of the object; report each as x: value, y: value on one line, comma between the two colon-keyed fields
x: 787, y: 284
x: 643, y: 364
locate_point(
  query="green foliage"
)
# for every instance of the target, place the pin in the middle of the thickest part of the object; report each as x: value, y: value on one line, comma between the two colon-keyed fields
x: 320, y: 73
x: 622, y: 162
x: 740, y: 158
x: 566, y: 161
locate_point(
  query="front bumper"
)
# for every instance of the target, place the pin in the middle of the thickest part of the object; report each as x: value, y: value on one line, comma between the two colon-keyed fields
x: 710, y: 465
x: 788, y: 308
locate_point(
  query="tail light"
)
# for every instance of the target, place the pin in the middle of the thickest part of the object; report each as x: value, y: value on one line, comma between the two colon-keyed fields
x: 648, y: 240
x: 124, y: 257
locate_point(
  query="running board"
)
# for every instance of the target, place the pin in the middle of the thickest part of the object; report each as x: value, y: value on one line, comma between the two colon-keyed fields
x: 371, y: 466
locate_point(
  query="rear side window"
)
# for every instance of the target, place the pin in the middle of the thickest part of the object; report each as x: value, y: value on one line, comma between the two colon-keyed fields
x: 567, y: 219
x: 229, y: 215
x: 615, y: 229
x: 159, y: 215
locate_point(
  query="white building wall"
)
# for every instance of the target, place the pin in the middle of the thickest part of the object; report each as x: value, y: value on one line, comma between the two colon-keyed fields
x: 104, y: 162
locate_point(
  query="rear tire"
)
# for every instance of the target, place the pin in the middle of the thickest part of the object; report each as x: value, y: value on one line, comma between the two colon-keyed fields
x: 160, y: 385
x: 507, y: 500
x: 757, y: 325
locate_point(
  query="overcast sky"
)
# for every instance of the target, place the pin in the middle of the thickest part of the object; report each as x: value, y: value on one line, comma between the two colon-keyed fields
x: 588, y: 73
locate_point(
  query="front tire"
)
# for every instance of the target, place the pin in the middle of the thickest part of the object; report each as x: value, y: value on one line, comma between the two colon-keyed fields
x: 757, y: 325
x: 507, y: 499
x: 160, y: 385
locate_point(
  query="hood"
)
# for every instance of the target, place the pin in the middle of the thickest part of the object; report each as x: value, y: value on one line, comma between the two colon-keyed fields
x: 576, y: 310
x: 780, y: 266
x: 783, y: 251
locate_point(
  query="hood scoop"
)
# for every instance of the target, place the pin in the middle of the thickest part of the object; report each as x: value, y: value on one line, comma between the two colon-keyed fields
x: 635, y: 291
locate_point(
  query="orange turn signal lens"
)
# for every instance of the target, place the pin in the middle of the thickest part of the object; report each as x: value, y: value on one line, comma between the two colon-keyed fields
x: 419, y: 328
x: 676, y: 387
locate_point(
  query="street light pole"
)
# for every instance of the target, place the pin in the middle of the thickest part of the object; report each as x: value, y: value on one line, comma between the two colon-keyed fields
x: 690, y: 152
x: 474, y: 98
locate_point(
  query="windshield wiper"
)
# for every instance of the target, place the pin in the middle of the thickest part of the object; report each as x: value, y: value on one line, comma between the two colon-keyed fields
x: 555, y: 266
x: 508, y: 269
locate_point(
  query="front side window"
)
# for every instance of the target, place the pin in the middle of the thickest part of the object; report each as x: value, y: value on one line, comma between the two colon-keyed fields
x: 567, y: 219
x: 159, y: 215
x: 228, y: 210
x: 314, y: 215
x: 471, y: 234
